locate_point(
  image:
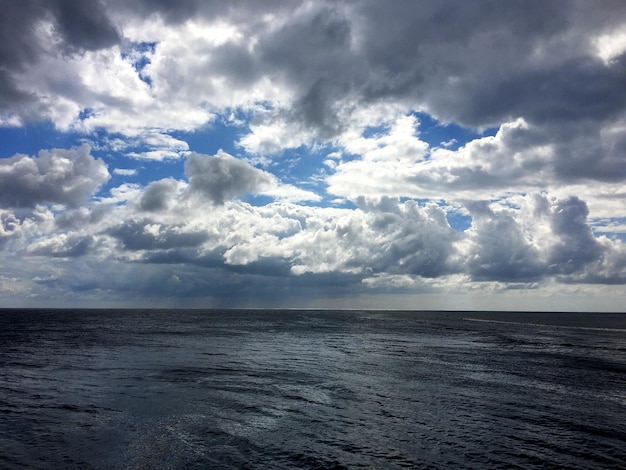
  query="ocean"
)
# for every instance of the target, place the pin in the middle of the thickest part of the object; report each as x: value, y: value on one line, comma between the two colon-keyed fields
x: 257, y: 389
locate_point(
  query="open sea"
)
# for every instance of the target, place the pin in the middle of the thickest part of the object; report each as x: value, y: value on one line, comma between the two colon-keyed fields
x: 257, y: 389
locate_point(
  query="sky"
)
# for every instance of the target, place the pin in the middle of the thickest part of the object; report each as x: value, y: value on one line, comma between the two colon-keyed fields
x: 342, y: 154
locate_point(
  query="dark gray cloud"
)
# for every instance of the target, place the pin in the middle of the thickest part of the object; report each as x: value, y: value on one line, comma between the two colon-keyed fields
x: 577, y: 246
x: 582, y: 88
x: 146, y: 234
x: 585, y: 151
x: 83, y: 24
x: 18, y: 47
x: 73, y: 219
x: 171, y: 12
x: 222, y: 177
x: 240, y: 11
x: 78, y: 25
x: 213, y: 286
x: 157, y: 195
x: 314, y: 54
x: 484, y: 63
x: 274, y: 267
x: 54, y: 176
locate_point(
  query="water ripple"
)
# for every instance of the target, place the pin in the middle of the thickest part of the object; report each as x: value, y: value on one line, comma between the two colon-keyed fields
x: 327, y: 390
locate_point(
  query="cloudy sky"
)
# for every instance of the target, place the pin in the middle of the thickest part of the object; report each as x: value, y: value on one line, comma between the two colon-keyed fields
x: 352, y: 154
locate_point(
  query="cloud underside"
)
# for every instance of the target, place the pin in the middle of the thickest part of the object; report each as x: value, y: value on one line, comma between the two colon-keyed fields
x: 539, y: 185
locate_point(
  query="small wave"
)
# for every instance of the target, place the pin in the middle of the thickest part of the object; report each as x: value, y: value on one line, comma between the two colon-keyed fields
x: 547, y: 325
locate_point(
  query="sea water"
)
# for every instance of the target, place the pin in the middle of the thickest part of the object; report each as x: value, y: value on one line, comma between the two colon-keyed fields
x: 311, y: 389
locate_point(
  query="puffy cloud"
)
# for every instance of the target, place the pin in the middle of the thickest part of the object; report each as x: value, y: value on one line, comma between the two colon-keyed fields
x: 158, y: 195
x: 500, y: 248
x: 271, y: 136
x: 577, y: 245
x: 13, y: 226
x: 383, y: 236
x: 62, y: 245
x: 222, y: 177
x: 20, y: 225
x: 384, y: 165
x: 383, y: 245
x: 74, y: 219
x: 148, y: 235
x: 519, y: 158
x: 55, y: 176
x: 543, y: 237
x: 28, y: 28
x: 525, y: 239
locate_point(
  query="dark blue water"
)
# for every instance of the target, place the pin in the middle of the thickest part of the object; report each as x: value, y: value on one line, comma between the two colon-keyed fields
x: 310, y: 389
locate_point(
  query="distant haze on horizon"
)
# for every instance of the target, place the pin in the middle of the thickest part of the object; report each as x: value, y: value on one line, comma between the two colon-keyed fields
x: 432, y: 155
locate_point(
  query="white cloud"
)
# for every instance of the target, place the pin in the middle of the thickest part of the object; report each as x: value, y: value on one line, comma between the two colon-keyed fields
x: 611, y: 45
x: 55, y: 176
x: 384, y: 165
x: 125, y: 171
x: 272, y: 137
x: 122, y: 193
x: 519, y: 159
x: 156, y: 155
x: 290, y: 193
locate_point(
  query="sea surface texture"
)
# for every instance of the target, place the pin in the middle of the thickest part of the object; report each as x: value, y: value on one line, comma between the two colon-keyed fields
x: 311, y: 389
